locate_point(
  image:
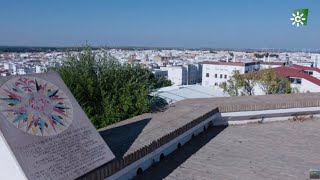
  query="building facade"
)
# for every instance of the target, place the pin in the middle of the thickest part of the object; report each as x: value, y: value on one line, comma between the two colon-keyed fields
x: 215, y: 73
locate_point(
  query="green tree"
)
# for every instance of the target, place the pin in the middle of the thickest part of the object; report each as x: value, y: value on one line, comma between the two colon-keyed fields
x: 249, y: 81
x: 125, y: 90
x: 106, y: 90
x: 233, y: 85
x: 79, y: 74
x: 271, y: 83
x: 162, y: 82
x: 268, y: 80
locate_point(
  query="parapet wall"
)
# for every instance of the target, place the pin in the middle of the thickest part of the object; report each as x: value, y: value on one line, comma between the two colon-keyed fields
x: 259, y: 107
x: 258, y: 103
x: 118, y: 164
x: 217, y: 105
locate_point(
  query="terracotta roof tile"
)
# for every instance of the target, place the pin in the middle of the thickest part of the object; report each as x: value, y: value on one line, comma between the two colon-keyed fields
x: 296, y: 72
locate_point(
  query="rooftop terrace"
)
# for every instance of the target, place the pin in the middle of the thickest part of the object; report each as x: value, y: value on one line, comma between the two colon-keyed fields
x: 135, y: 138
x: 280, y: 150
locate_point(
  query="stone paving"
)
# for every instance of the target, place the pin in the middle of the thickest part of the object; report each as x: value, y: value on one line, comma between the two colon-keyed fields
x: 132, y: 134
x: 279, y: 150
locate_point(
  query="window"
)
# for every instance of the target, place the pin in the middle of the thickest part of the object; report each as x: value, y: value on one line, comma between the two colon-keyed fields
x: 216, y: 75
x: 207, y: 74
x: 225, y: 76
x: 309, y: 72
x: 221, y: 76
x: 216, y: 84
x: 295, y: 80
x: 298, y: 81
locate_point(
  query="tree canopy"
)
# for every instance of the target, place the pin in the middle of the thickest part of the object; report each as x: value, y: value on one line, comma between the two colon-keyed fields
x: 268, y: 80
x: 106, y: 90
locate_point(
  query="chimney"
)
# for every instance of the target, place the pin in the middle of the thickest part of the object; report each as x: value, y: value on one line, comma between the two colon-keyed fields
x: 268, y: 58
x: 234, y: 58
x: 264, y: 58
x: 227, y: 58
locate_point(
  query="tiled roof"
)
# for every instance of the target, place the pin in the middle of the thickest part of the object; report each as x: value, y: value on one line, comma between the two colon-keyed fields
x: 307, y: 68
x: 295, y: 72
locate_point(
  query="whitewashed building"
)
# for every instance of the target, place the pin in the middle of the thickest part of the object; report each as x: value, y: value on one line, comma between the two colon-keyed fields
x: 176, y: 74
x: 184, y: 75
x: 315, y: 72
x: 194, y: 73
x: 158, y: 73
x: 268, y: 65
x: 299, y: 78
x: 214, y: 73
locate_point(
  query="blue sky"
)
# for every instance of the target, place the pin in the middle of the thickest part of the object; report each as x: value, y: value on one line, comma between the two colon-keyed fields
x: 161, y: 23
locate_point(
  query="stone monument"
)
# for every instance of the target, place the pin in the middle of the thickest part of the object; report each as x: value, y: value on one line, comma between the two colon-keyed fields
x: 44, y: 133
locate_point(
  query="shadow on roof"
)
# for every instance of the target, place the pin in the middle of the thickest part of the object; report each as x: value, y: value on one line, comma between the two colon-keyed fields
x: 163, y: 168
x: 120, y: 139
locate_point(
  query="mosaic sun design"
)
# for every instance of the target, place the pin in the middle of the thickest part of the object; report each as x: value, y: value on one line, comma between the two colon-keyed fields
x: 35, y: 106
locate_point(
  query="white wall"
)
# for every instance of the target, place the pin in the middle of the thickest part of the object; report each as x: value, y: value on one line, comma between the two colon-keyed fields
x: 21, y: 71
x: 38, y: 69
x: 6, y: 65
x: 268, y: 66
x: 306, y: 86
x: 177, y: 75
x: 10, y: 169
x: 316, y: 74
x: 223, y: 70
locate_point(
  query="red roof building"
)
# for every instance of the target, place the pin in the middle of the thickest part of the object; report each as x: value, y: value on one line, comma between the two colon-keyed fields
x: 300, y: 77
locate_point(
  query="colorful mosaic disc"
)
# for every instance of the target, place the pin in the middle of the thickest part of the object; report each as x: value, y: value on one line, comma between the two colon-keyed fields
x: 35, y: 106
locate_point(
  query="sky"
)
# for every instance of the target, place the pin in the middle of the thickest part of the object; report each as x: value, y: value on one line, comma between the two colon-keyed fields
x: 159, y: 23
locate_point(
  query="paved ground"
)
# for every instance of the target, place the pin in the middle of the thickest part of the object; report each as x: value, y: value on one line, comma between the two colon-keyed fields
x: 279, y: 150
x: 132, y: 134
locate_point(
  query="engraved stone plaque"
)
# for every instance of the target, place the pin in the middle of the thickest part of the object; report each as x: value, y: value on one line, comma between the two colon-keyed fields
x: 48, y: 133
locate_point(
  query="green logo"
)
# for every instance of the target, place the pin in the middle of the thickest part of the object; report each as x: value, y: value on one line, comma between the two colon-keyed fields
x: 300, y: 17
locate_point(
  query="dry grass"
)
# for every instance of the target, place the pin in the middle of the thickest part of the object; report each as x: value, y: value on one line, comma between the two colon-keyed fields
x: 300, y: 118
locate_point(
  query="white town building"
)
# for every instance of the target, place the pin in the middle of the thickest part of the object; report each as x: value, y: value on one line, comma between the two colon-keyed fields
x: 300, y: 79
x: 176, y: 74
x: 214, y: 73
x: 268, y: 65
x: 194, y: 73
x: 184, y: 75
x: 315, y: 72
x: 158, y: 73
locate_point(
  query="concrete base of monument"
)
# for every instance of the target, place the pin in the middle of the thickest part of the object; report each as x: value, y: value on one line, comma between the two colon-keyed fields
x: 9, y: 167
